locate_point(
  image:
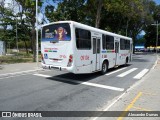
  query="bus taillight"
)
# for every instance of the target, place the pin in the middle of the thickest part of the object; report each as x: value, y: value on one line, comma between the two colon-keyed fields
x: 70, y: 60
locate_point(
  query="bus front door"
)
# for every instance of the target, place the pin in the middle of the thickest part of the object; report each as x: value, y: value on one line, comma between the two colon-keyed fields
x: 96, y: 54
x: 117, y: 53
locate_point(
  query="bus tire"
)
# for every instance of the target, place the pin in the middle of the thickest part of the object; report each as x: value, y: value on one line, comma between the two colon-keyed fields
x: 104, y: 68
x: 126, y: 62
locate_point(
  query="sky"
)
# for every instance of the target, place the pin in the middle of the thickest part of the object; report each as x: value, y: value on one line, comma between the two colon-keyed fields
x: 157, y: 2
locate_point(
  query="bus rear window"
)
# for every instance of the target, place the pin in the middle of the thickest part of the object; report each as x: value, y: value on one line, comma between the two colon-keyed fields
x: 56, y: 32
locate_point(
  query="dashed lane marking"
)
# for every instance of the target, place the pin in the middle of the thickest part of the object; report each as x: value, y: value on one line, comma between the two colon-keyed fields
x: 103, y: 86
x: 42, y: 75
x: 141, y: 74
x: 127, y: 72
x: 115, y: 71
x: 84, y: 83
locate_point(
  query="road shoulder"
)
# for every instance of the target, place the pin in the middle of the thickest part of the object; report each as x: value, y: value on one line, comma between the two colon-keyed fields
x: 142, y: 96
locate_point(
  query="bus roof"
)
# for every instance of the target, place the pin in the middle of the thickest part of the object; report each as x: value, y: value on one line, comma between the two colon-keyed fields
x: 89, y: 28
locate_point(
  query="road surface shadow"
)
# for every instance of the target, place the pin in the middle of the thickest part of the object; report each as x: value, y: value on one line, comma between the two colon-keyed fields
x: 144, y: 53
x: 76, y: 79
x: 139, y: 59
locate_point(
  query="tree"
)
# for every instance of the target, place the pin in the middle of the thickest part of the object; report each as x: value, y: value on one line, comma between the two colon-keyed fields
x: 125, y: 17
x: 98, y: 15
x: 28, y: 23
x: 150, y: 30
x: 88, y: 12
x: 150, y: 36
x: 129, y: 17
x: 66, y: 10
x: 6, y: 22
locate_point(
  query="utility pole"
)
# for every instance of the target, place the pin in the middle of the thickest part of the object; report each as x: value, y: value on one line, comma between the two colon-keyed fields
x: 127, y: 28
x: 16, y: 35
x: 157, y: 24
x: 37, y: 33
x: 157, y: 37
x: 9, y: 48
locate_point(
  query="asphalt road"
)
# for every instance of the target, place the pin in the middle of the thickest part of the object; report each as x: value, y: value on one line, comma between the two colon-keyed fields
x: 60, y: 91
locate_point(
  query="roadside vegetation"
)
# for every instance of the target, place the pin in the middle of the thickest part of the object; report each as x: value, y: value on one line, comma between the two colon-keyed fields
x: 14, y: 57
x: 17, y: 57
x: 125, y: 17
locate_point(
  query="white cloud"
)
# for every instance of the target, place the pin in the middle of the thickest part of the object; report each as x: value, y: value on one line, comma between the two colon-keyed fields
x: 12, y: 5
x: 142, y: 33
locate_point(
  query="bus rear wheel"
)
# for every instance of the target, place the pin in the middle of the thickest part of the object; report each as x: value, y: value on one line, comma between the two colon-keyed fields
x: 104, y: 68
x: 126, y: 62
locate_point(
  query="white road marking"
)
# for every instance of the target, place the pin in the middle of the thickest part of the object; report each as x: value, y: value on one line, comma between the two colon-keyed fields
x: 21, y: 72
x: 127, y: 72
x: 121, y: 96
x: 84, y: 83
x: 103, y: 86
x: 41, y: 75
x: 115, y: 71
x: 11, y: 76
x: 108, y: 107
x: 155, y: 64
x: 115, y: 100
x: 141, y: 74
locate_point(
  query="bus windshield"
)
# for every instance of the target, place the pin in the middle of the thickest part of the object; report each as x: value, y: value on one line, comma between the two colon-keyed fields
x: 56, y: 32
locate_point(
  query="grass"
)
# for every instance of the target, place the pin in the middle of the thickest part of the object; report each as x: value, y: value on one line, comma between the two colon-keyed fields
x: 14, y: 59
x: 20, y: 57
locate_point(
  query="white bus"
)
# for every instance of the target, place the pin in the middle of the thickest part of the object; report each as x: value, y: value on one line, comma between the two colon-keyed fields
x: 78, y: 48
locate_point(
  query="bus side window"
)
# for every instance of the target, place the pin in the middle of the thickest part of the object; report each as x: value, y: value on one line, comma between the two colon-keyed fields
x: 124, y: 44
x: 109, y: 42
x: 127, y: 45
x: 103, y: 41
x: 83, y: 39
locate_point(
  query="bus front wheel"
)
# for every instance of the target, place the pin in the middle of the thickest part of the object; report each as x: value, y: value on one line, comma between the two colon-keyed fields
x: 104, y: 68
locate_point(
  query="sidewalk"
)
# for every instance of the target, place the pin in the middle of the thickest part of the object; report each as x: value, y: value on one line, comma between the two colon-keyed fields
x: 10, y: 69
x: 142, y: 96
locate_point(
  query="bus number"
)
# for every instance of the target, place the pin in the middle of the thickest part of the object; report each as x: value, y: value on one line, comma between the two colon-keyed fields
x: 62, y: 56
x: 84, y: 57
